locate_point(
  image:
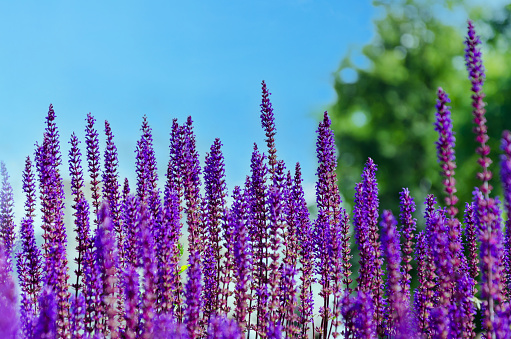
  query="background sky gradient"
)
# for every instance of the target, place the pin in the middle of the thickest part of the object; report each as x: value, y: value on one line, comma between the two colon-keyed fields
x: 171, y: 59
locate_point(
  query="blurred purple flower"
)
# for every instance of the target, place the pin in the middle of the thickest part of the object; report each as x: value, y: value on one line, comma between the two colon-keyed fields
x: 222, y: 328
x: 7, y: 234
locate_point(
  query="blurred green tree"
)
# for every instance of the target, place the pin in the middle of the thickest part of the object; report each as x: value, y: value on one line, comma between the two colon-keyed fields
x: 385, y: 110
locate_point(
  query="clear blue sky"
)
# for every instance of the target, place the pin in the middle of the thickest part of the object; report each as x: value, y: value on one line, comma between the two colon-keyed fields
x: 170, y: 59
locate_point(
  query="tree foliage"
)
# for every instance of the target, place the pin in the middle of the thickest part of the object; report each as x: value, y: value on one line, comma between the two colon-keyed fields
x: 386, y: 110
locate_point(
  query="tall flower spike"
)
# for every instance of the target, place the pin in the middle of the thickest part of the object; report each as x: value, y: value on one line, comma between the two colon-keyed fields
x: 242, y: 256
x: 28, y: 262
x: 130, y: 214
x: 505, y: 171
x: 306, y: 253
x: 93, y: 290
x: 488, y: 220
x: 111, y: 185
x: 268, y: 123
x: 215, y: 193
x: 193, y: 296
x: 93, y: 156
x: 257, y: 197
x: 7, y: 235
x: 289, y: 289
x: 366, y: 226
x: 409, y: 226
x: 471, y: 239
x: 145, y: 163
x: 464, y: 311
x: 169, y: 289
x: 445, y: 150
x: 474, y: 63
x: 81, y: 208
x: 48, y: 160
x: 148, y: 260
x: 328, y: 200
x: 337, y: 236
x: 276, y: 197
x: 175, y: 166
x: 191, y: 179
x: 505, y: 177
x: 422, y: 301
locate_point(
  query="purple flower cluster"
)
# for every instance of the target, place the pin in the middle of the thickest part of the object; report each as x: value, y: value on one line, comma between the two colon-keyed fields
x: 253, y: 264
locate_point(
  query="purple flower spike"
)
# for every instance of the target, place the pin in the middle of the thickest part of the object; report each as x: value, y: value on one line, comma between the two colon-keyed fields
x: 488, y: 220
x: 365, y: 221
x: 111, y: 185
x: 505, y: 171
x: 171, y: 288
x: 29, y: 260
x: 476, y: 76
x: 505, y: 176
x: 397, y: 303
x: 48, y: 160
x: 306, y: 252
x: 193, y: 296
x: 215, y: 193
x: 329, y: 210
x: 146, y: 163
x: 276, y: 198
x: 464, y: 312
x: 148, y: 260
x: 210, y: 289
x: 81, y: 208
x: 222, y: 328
x: 7, y: 235
x: 471, y: 239
x: 445, y: 150
x: 258, y: 211
x: 93, y: 289
x: 191, y: 182
x: 130, y: 215
x: 9, y: 318
x: 422, y: 298
x: 176, y: 162
x: 93, y: 156
x: 268, y: 123
x: 242, y: 255
x: 408, y: 228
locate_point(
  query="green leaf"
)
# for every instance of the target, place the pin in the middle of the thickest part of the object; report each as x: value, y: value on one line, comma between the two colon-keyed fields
x: 183, y: 268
